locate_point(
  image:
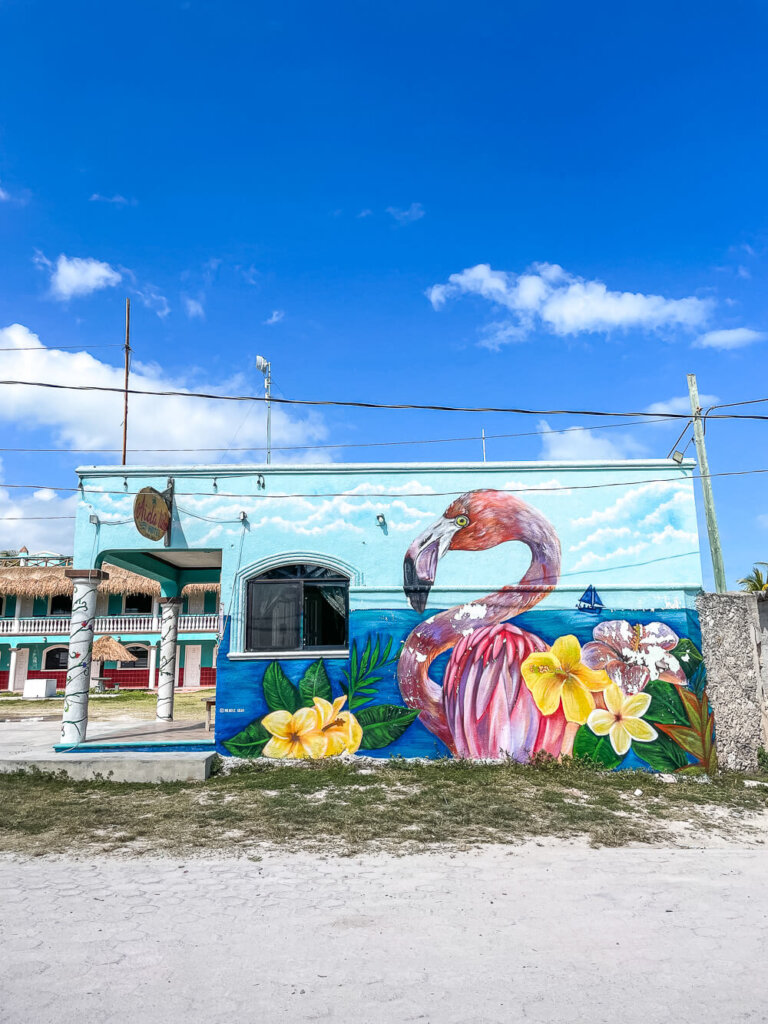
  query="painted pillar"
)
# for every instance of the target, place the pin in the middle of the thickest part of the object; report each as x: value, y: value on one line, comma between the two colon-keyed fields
x: 152, y: 665
x: 12, y: 669
x: 74, y: 720
x: 169, y: 628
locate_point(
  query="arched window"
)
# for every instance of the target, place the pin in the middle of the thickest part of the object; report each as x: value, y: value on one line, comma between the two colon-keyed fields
x: 142, y: 657
x: 56, y: 659
x: 301, y: 607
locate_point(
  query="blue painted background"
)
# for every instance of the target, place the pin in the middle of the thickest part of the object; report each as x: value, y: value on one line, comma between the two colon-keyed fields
x: 239, y: 682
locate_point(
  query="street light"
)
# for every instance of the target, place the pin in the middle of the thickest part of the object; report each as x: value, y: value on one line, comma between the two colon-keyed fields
x: 264, y: 366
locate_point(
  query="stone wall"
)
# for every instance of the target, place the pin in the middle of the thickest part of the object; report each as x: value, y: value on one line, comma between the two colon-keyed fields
x: 734, y: 633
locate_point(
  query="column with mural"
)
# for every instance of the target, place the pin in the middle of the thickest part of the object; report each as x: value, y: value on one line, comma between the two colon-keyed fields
x: 169, y: 627
x: 74, y: 720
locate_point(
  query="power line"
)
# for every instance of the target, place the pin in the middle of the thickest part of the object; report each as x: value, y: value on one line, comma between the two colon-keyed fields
x: 383, y: 496
x: 374, y: 405
x: 59, y: 348
x: 350, y: 444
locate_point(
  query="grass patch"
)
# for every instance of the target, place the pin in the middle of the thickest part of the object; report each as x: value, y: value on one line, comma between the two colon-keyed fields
x: 106, y: 707
x: 348, y: 807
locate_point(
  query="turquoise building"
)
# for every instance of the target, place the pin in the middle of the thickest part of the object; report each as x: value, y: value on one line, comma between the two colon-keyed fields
x: 473, y: 609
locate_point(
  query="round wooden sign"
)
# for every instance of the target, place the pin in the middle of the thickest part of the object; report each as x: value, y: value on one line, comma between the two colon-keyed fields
x: 150, y: 514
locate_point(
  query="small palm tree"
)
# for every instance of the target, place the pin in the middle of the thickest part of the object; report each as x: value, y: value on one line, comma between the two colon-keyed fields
x: 755, y: 582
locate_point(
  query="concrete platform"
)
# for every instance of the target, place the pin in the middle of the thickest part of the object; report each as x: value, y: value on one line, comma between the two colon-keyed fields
x: 29, y: 746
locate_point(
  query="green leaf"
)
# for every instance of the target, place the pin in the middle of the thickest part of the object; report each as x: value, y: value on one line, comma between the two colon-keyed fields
x: 698, y: 681
x: 250, y: 742
x: 689, y: 656
x: 279, y: 692
x: 353, y: 664
x: 666, y: 706
x: 688, y: 739
x: 383, y: 724
x: 663, y: 754
x: 595, y: 748
x: 315, y: 683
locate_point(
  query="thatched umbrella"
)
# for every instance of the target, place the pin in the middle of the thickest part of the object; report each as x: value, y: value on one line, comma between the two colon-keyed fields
x: 106, y: 648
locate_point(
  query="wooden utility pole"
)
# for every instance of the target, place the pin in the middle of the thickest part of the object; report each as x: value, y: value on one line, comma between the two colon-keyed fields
x: 127, y: 370
x: 706, y: 487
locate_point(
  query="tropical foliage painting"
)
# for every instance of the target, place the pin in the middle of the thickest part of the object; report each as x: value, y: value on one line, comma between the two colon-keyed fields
x: 629, y: 693
x: 306, y: 721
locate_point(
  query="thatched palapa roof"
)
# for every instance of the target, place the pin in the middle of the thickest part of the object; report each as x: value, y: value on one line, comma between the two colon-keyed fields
x: 50, y: 581
x: 106, y: 648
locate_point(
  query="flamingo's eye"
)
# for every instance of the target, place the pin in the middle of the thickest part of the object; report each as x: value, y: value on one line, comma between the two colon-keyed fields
x: 462, y: 521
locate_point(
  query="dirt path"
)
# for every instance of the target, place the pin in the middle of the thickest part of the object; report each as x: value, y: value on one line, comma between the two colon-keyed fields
x: 552, y: 933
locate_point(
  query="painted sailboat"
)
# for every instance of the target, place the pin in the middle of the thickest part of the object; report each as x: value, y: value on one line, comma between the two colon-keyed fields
x: 590, y: 602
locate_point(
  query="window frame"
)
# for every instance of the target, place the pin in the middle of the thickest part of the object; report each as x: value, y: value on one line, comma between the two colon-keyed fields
x: 131, y: 666
x: 144, y: 597
x: 334, y: 577
x: 55, y: 647
x: 59, y: 615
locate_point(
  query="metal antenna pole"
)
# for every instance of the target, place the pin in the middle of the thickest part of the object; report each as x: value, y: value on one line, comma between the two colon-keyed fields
x: 127, y: 370
x: 706, y: 487
x: 483, y: 435
x: 268, y: 392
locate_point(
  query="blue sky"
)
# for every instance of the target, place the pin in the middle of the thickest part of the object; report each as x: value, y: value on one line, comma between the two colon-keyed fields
x: 296, y: 179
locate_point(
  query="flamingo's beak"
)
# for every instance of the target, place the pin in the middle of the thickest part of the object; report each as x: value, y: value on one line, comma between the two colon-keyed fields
x: 420, y: 563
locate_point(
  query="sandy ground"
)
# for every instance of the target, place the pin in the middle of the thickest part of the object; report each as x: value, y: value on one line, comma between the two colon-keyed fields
x: 554, y: 933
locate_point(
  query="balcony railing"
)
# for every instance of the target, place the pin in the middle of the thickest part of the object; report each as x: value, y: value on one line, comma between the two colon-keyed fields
x: 59, y: 624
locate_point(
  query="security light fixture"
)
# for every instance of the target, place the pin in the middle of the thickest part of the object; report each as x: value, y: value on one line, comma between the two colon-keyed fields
x: 678, y: 457
x: 93, y: 519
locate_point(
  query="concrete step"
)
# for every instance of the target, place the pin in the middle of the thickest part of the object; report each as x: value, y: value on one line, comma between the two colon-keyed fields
x: 123, y: 766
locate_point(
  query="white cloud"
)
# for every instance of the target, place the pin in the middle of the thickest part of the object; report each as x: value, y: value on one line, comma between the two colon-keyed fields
x: 548, y: 296
x: 638, y: 501
x: 763, y: 520
x: 194, y: 308
x: 577, y: 443
x: 275, y: 317
x: 414, y: 212
x: 117, y: 200
x: 734, y: 337
x: 679, y: 404
x: 5, y: 196
x: 79, y: 419
x: 77, y: 276
x: 20, y: 525
x: 315, y: 517
x: 655, y: 542
x: 153, y: 299
x: 364, y: 213
x: 605, y: 533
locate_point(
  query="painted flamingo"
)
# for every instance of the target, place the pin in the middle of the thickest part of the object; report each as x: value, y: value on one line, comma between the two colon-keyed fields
x: 483, y: 708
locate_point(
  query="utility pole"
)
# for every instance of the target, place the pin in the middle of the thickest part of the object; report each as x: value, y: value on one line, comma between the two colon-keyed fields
x: 706, y: 487
x: 127, y: 370
x: 483, y: 440
x: 265, y: 366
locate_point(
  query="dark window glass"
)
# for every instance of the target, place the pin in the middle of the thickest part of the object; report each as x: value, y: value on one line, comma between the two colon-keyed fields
x: 297, y: 607
x: 142, y: 658
x: 56, y: 659
x: 138, y: 604
x: 61, y: 605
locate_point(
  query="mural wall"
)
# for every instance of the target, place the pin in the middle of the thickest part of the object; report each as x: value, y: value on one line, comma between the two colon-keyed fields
x: 499, y: 676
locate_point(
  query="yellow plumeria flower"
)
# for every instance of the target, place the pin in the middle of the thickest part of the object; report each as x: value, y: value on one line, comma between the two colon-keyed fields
x: 623, y: 719
x: 296, y: 736
x: 559, y: 675
x: 341, y: 728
